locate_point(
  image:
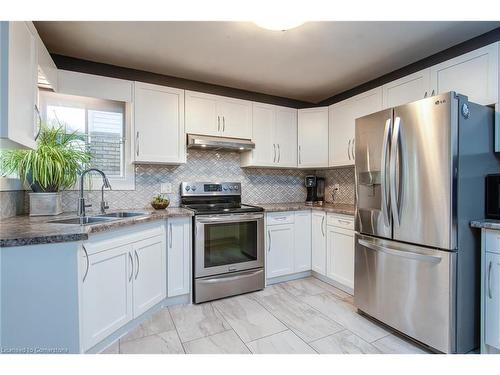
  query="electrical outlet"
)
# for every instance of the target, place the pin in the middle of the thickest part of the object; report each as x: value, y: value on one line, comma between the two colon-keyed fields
x: 166, y: 188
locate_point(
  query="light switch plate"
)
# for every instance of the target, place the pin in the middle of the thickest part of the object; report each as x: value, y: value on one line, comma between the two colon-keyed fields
x: 166, y: 188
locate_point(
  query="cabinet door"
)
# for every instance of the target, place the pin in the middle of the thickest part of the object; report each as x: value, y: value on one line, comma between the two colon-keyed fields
x: 302, y: 229
x: 474, y: 74
x: 407, y: 89
x: 340, y: 256
x: 280, y: 249
x: 285, y: 137
x: 179, y: 256
x: 106, y: 293
x: 159, y: 124
x: 318, y: 242
x: 236, y: 118
x: 263, y: 123
x: 201, y: 114
x: 149, y: 273
x: 313, y: 137
x: 492, y: 303
x: 342, y: 122
x: 22, y: 84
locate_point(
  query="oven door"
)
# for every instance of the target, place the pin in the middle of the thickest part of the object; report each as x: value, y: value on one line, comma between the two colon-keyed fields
x: 228, y: 243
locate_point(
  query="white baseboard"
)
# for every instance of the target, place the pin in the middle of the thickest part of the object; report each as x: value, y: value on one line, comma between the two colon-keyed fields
x: 333, y: 283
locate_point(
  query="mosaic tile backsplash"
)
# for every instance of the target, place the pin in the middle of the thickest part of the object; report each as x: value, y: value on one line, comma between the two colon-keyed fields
x: 259, y: 185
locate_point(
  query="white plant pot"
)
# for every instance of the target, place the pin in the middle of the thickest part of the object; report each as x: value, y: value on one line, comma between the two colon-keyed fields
x: 44, y: 204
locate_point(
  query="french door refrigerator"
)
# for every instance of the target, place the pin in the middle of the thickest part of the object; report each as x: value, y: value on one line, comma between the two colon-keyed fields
x: 420, y: 171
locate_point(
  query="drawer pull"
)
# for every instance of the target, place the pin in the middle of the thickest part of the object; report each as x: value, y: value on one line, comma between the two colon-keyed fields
x: 344, y: 221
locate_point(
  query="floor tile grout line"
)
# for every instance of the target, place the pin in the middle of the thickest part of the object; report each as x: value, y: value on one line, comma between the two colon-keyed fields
x: 232, y: 328
x: 176, y: 330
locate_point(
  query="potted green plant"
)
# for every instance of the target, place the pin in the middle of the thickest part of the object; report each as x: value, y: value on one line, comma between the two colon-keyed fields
x: 160, y: 202
x: 54, y: 165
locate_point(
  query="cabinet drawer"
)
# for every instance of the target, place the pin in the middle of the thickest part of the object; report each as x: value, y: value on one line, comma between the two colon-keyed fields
x: 340, y: 221
x: 274, y: 218
x: 492, y: 241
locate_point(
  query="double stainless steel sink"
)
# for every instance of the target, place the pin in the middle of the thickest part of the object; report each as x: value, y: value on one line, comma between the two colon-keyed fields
x: 86, y: 220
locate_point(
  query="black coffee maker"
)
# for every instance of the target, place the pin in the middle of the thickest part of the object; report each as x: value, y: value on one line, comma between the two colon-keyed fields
x: 315, y: 190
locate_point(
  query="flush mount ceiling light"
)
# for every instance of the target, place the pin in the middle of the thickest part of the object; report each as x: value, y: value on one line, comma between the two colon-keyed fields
x: 279, y: 25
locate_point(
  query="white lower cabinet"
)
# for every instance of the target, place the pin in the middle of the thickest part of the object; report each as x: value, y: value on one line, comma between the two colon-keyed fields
x: 302, y: 239
x: 149, y: 273
x: 106, y: 293
x: 280, y: 248
x: 318, y: 242
x: 340, y: 255
x: 179, y: 256
x: 123, y: 276
x: 492, y: 300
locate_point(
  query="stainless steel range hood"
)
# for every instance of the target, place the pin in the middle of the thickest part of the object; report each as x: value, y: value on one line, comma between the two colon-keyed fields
x: 219, y: 143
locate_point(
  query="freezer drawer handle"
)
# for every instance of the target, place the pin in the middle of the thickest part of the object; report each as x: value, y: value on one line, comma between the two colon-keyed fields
x: 404, y: 254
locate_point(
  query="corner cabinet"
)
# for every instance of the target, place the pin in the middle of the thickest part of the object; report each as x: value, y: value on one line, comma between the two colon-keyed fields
x: 158, y: 125
x: 214, y: 115
x: 18, y: 83
x: 275, y: 137
x: 342, y: 121
x: 312, y: 137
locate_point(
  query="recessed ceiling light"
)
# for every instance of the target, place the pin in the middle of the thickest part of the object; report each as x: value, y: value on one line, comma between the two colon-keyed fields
x: 279, y: 25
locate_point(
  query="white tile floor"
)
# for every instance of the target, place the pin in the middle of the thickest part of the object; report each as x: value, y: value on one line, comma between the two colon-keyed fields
x: 301, y: 316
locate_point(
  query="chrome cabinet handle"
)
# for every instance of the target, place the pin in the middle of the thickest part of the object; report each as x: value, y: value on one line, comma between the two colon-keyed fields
x: 383, y: 172
x: 218, y: 123
x: 343, y: 221
x: 433, y: 91
x: 353, y: 148
x: 138, y: 264
x: 349, y: 150
x: 274, y: 152
x: 322, y: 226
x: 131, y: 267
x: 88, y: 263
x: 300, y: 155
x: 425, y: 94
x: 489, y: 280
x: 269, y: 242
x: 170, y: 235
x: 223, y: 123
x: 279, y: 153
x: 137, y: 143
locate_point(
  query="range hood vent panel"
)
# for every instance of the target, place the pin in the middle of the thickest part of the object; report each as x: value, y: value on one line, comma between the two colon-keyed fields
x: 204, y: 142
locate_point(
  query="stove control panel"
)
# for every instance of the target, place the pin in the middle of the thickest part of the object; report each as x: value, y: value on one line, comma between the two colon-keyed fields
x: 210, y: 188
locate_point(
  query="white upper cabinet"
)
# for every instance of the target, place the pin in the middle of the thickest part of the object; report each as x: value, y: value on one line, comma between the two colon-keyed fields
x: 47, y: 69
x: 18, y: 83
x: 407, y: 89
x: 313, y: 137
x: 158, y: 135
x: 214, y: 115
x: 474, y: 74
x: 342, y: 121
x: 275, y: 137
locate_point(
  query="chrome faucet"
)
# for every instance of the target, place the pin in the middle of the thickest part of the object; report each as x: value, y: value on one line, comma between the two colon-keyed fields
x: 81, y: 201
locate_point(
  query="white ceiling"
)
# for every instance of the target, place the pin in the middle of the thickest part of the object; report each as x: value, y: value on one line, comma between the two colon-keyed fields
x: 310, y: 63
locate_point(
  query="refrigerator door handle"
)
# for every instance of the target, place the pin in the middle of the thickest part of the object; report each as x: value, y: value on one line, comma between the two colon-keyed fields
x: 383, y: 172
x: 394, y: 196
x: 400, y: 253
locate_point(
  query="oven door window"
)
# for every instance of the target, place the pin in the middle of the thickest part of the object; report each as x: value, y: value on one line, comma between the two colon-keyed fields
x: 230, y: 243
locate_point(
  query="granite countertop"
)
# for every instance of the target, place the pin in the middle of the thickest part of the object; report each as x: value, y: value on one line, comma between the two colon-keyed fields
x: 485, y: 224
x: 336, y: 208
x: 34, y: 230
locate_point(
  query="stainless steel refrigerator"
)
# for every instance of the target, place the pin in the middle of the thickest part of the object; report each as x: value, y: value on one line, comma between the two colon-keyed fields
x: 420, y: 171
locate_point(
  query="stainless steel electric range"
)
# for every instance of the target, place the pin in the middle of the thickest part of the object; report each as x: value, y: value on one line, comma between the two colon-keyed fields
x: 228, y: 240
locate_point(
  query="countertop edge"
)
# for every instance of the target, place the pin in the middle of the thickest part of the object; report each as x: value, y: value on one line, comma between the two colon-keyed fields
x: 485, y: 224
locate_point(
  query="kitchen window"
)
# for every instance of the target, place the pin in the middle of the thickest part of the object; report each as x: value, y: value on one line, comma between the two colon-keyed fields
x: 103, y: 123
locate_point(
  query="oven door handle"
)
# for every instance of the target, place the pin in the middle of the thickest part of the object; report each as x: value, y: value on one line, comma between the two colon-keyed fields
x: 229, y: 218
